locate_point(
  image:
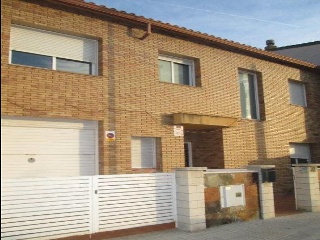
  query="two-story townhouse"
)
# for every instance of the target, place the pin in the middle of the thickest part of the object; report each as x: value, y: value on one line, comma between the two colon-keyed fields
x: 90, y: 90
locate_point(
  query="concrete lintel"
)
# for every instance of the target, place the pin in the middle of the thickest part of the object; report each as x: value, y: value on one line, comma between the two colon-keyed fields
x: 195, y: 121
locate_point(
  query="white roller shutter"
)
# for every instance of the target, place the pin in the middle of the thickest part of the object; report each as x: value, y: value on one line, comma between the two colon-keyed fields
x: 143, y: 152
x: 297, y: 94
x: 299, y: 150
x: 47, y: 148
x: 54, y: 44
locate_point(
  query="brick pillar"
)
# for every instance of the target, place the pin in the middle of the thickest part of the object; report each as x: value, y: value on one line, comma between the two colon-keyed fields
x: 306, y: 187
x: 190, y: 198
x: 266, y: 196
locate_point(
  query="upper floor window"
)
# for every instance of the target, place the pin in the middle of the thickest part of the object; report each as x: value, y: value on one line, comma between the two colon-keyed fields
x: 176, y: 70
x: 249, y: 95
x: 297, y: 93
x: 44, y: 49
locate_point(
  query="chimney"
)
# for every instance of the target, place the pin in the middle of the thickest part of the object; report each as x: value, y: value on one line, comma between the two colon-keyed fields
x: 270, y: 45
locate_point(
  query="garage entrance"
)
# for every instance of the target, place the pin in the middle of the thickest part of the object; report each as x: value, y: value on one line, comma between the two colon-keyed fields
x: 39, y: 147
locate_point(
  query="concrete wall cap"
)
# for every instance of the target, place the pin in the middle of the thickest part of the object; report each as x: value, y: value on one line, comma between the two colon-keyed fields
x: 307, y: 165
x: 231, y: 170
x: 260, y: 166
x: 192, y: 169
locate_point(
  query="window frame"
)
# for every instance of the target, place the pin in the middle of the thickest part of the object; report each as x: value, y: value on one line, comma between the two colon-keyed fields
x: 304, y: 97
x: 154, y: 154
x: 179, y: 60
x: 76, y: 61
x: 93, y: 63
x: 53, y: 62
x: 295, y: 157
x: 256, y: 95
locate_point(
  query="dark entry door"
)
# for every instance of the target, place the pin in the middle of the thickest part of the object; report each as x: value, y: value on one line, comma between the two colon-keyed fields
x: 187, y: 154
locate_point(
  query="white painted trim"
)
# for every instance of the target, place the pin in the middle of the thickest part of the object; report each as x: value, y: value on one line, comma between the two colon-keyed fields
x: 45, y: 123
x: 97, y: 148
x: 291, y: 83
x: 256, y: 94
x: 54, y: 63
x: 174, y: 199
x: 39, y: 41
x: 154, y: 150
x: 189, y: 62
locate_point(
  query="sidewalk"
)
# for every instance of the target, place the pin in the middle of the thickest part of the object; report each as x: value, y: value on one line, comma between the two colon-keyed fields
x: 302, y: 226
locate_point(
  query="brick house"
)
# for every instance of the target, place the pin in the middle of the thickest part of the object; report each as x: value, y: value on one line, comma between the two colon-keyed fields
x: 90, y: 90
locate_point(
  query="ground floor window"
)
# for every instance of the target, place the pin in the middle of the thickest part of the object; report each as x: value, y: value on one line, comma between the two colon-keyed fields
x: 299, y: 153
x: 143, y: 152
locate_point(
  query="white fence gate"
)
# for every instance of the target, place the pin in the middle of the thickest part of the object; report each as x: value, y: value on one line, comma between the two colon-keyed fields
x: 48, y: 208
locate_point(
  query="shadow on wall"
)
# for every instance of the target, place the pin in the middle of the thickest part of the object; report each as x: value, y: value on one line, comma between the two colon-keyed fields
x: 312, y: 113
x: 284, y: 175
x: 284, y: 179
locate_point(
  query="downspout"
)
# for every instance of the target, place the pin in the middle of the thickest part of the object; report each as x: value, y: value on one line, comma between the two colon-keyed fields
x: 147, y: 33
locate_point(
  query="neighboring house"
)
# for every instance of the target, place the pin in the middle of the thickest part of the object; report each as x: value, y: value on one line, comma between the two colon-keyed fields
x: 90, y: 90
x: 308, y: 52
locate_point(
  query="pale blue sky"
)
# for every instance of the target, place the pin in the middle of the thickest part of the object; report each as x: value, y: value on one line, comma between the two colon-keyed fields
x: 250, y: 22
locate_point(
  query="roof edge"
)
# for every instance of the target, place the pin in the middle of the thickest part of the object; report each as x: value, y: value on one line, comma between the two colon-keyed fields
x: 295, y: 45
x: 218, y: 42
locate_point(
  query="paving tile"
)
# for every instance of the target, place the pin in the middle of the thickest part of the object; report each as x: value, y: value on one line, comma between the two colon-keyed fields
x: 302, y: 226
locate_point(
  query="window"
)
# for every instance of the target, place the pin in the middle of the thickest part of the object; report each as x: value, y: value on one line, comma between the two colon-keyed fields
x: 249, y: 95
x: 31, y: 59
x: 44, y: 49
x: 299, y: 153
x: 176, y: 70
x: 143, y: 152
x: 37, y: 60
x: 73, y: 66
x: 297, y: 93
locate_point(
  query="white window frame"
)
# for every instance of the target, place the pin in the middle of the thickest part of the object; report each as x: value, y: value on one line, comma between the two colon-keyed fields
x: 94, y: 63
x: 304, y: 97
x: 188, y: 62
x: 300, y: 150
x: 153, y: 156
x: 256, y: 95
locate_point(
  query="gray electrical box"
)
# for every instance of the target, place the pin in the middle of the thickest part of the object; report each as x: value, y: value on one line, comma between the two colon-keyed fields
x: 268, y: 175
x: 232, y: 195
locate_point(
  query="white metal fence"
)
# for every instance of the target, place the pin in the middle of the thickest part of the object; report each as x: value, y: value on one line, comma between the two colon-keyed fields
x: 48, y: 208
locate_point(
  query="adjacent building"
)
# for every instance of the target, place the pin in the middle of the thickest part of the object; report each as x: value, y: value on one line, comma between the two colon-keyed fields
x: 308, y: 52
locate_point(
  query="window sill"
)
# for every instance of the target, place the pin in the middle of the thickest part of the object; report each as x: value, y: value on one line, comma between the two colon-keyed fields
x: 295, y: 105
x: 144, y: 170
x: 177, y: 84
x: 252, y: 120
x: 51, y: 70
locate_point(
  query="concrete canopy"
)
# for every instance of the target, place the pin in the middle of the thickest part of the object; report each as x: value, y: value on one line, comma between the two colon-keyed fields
x: 195, y: 121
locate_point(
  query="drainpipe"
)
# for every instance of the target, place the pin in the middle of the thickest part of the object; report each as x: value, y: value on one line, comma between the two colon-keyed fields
x: 147, y: 33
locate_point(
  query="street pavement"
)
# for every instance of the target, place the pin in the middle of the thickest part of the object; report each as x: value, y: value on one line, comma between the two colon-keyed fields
x: 302, y: 226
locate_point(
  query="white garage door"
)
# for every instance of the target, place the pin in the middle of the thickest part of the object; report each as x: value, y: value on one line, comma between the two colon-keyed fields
x: 33, y: 148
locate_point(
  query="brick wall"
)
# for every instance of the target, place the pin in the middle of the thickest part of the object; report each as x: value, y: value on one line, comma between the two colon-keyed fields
x: 128, y: 97
x: 207, y: 148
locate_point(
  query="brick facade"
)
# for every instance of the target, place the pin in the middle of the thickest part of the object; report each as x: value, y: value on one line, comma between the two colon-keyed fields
x: 127, y: 96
